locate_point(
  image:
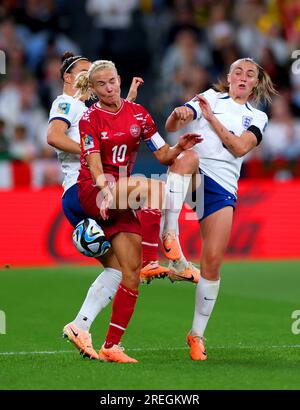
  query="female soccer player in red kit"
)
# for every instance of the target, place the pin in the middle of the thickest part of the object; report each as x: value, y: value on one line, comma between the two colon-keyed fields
x: 63, y: 134
x: 111, y: 131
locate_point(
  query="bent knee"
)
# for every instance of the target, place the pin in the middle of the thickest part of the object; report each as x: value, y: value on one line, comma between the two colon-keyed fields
x: 190, y: 155
x: 186, y: 163
x: 131, y: 278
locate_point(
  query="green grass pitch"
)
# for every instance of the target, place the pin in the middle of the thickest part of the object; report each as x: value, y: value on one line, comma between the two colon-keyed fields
x: 250, y: 343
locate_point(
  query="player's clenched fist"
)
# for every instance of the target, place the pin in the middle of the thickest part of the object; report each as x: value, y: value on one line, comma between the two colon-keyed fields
x: 182, y: 113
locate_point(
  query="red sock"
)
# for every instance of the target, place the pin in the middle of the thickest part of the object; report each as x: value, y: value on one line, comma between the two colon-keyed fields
x: 150, y: 223
x: 122, y: 310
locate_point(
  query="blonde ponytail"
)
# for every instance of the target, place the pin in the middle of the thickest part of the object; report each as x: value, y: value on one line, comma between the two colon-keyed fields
x: 82, y: 84
x: 265, y: 88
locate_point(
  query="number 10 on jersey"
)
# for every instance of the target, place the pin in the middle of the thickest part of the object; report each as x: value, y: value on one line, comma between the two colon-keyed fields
x: 119, y: 153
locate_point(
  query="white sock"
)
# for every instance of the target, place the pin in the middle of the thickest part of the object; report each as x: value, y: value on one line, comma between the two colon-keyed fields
x: 99, y: 295
x: 206, y: 295
x: 175, y: 193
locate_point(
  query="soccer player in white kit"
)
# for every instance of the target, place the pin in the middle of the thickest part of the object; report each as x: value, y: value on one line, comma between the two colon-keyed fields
x: 231, y: 127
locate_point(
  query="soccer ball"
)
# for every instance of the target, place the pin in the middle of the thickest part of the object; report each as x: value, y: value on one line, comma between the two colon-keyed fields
x: 89, y: 238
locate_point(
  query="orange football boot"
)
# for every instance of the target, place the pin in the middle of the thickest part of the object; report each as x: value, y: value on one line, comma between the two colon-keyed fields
x: 115, y: 354
x: 189, y: 274
x: 197, y: 348
x: 153, y: 270
x: 170, y: 246
x: 81, y: 339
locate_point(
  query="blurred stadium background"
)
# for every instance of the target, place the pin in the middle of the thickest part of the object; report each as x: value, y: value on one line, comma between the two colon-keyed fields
x: 179, y: 47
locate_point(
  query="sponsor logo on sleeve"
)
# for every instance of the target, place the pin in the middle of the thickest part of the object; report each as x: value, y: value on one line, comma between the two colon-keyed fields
x: 63, y: 108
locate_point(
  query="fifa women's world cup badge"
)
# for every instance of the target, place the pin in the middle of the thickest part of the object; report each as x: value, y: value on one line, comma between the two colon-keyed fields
x: 88, y: 142
x: 63, y: 108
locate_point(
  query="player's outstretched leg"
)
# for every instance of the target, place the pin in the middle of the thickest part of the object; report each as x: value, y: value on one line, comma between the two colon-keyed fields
x: 177, y: 185
x: 178, y: 182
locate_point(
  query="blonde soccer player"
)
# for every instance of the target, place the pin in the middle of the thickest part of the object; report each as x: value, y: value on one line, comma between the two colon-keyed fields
x: 111, y: 131
x: 231, y: 127
x: 63, y: 135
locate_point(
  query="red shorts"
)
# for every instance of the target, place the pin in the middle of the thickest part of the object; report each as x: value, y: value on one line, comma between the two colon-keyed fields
x: 119, y: 221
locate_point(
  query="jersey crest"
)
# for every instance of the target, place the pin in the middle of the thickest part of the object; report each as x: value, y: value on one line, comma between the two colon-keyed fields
x: 135, y: 130
x: 246, y: 121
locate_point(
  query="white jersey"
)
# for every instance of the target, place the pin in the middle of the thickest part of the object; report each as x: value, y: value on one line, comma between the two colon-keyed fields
x: 70, y: 110
x: 215, y: 159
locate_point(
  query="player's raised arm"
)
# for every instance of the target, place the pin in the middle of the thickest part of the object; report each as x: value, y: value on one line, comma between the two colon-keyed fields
x: 237, y: 145
x: 179, y: 118
x: 132, y: 93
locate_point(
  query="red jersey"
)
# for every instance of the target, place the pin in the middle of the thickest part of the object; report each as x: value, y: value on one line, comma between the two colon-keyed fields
x: 116, y: 136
